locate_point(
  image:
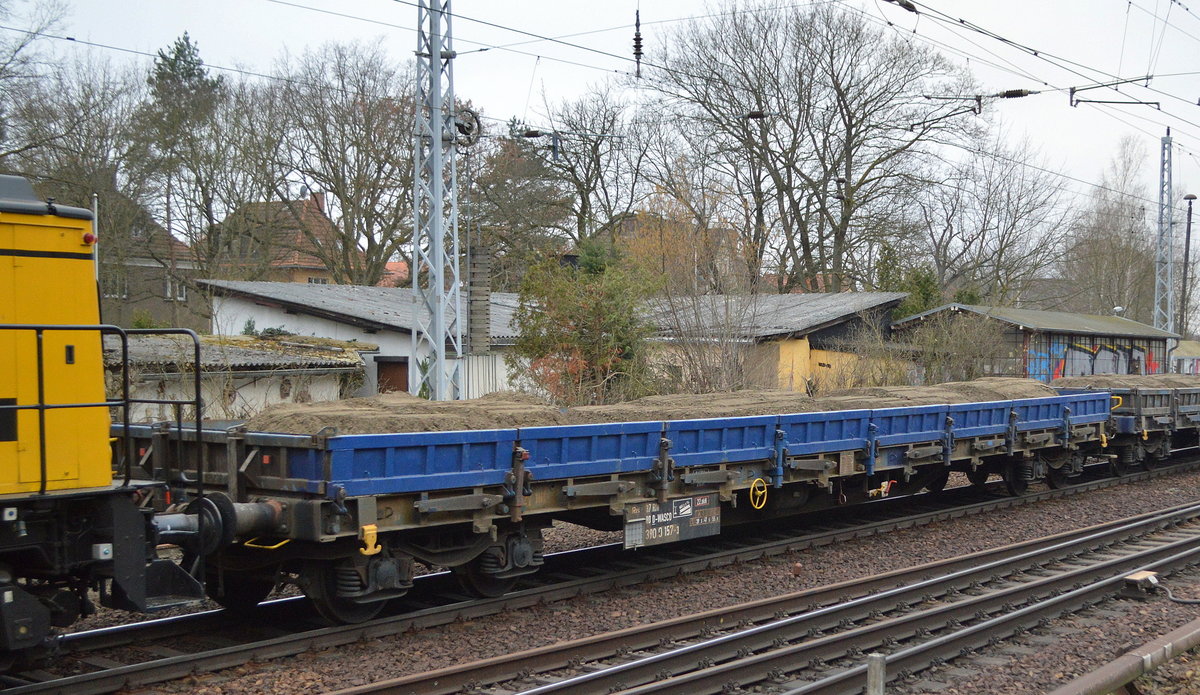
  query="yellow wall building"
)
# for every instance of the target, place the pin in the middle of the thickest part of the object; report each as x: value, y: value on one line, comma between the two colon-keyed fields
x: 798, y: 342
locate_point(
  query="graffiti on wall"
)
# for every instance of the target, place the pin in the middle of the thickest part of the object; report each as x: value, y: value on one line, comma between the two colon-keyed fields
x: 1069, y: 356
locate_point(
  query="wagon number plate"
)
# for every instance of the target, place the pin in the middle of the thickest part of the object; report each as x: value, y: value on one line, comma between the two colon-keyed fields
x: 654, y: 523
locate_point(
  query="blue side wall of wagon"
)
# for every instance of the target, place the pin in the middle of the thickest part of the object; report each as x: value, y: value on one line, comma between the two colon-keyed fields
x: 380, y: 464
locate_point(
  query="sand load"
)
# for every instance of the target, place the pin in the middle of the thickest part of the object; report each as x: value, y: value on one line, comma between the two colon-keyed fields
x: 399, y: 412
x: 1129, y: 381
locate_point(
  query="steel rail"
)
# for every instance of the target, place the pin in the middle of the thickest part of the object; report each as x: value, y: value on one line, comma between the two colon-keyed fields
x: 960, y: 642
x: 808, y: 611
x: 674, y: 560
x: 1009, y: 605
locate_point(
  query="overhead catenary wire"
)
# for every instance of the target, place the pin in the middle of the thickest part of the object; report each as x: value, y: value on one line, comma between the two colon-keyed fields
x: 1124, y: 35
x: 1166, y: 24
x: 1155, y: 52
x: 973, y: 27
x: 219, y: 68
x: 275, y: 77
x: 1103, y: 109
x: 1071, y: 66
x: 954, y: 24
x: 251, y: 73
x: 1042, y: 55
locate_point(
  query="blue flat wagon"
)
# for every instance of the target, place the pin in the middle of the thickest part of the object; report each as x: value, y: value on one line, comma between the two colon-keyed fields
x: 359, y: 510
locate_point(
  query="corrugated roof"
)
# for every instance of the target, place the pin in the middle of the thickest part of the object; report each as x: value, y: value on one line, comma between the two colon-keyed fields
x: 763, y: 315
x: 746, y: 316
x: 1187, y: 348
x: 378, y: 307
x: 1054, y: 321
x: 500, y: 325
x: 170, y: 353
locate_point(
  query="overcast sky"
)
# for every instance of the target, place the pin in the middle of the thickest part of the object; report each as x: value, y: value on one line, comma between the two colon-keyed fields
x: 1102, y: 38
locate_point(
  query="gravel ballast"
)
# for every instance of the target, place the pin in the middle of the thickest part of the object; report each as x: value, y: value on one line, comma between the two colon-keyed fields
x: 1048, y: 658
x: 1082, y: 647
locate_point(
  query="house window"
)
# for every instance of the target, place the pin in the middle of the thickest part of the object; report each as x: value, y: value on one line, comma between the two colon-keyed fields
x: 318, y: 281
x: 175, y: 290
x: 115, y: 287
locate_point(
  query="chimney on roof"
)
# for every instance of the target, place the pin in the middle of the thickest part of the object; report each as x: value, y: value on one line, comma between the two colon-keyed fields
x: 318, y: 199
x: 479, y: 299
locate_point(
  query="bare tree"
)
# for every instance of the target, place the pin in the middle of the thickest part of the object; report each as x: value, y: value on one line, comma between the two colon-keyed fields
x: 840, y: 124
x: 517, y: 203
x: 599, y: 159
x: 199, y: 150
x: 21, y: 66
x: 83, y: 117
x: 350, y: 135
x: 946, y: 346
x: 708, y: 343
x: 989, y: 222
x: 237, y: 170
x: 1109, y: 256
x: 691, y: 181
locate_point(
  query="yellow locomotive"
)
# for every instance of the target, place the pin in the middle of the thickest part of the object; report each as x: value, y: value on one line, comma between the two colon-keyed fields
x: 72, y: 526
x: 47, y: 278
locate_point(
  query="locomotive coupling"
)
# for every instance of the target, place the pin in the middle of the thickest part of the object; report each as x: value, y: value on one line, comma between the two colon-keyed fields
x: 212, y: 522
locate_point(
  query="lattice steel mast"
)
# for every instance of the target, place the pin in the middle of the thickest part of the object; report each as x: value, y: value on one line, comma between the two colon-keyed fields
x: 1164, y: 266
x: 437, y: 338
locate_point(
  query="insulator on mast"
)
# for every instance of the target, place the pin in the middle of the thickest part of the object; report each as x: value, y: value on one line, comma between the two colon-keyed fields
x: 637, y: 41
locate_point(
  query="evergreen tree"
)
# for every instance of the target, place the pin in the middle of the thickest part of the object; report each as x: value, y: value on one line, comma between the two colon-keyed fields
x: 923, y: 292
x: 582, y: 337
x: 182, y: 92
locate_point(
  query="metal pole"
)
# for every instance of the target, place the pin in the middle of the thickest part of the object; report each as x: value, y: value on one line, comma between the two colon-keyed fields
x: 1164, y: 316
x: 96, y: 231
x: 1187, y: 249
x: 437, y: 306
x: 41, y: 386
x: 876, y: 673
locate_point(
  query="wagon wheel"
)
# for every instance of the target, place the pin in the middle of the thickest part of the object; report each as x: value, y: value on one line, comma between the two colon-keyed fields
x: 1156, y: 451
x: 1058, y: 478
x: 237, y: 590
x: 319, y: 580
x: 476, y: 582
x: 1014, y: 480
x: 938, y: 482
x: 1059, y: 467
x: 1118, y: 467
x: 978, y: 476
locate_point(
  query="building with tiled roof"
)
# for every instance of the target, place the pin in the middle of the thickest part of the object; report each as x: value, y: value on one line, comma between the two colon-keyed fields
x: 283, y: 241
x: 146, y: 275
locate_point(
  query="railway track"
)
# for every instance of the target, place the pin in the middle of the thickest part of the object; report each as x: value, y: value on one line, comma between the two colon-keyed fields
x: 813, y: 642
x: 286, y: 627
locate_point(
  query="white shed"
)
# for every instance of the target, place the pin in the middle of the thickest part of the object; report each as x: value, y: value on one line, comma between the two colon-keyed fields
x: 238, y: 377
x: 381, y: 316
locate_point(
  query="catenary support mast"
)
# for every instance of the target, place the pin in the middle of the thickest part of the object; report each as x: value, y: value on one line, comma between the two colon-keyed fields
x: 437, y: 339
x: 1164, y: 299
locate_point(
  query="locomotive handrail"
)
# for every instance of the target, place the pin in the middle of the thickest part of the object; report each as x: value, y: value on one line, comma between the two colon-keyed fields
x: 41, y: 407
x: 197, y: 404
